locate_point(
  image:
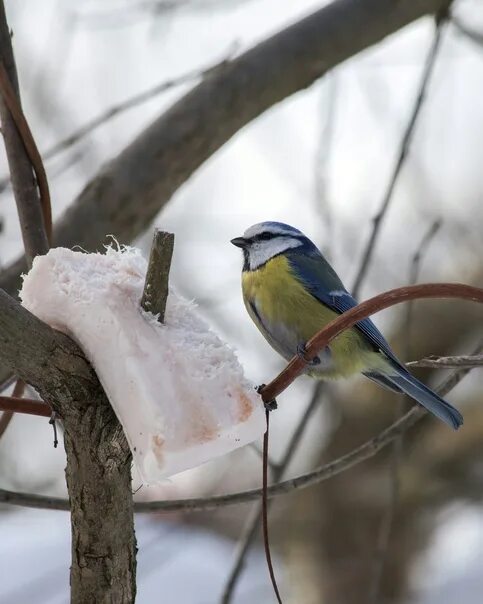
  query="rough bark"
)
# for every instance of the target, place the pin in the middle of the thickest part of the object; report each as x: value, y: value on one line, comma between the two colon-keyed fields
x: 130, y: 190
x: 98, y: 458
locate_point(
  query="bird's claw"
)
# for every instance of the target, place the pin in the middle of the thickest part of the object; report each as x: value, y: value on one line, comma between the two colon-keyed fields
x: 302, y: 354
x: 269, y: 405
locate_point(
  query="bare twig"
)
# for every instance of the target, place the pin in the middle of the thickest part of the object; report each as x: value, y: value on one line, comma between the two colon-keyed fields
x: 463, y: 362
x: 156, y: 287
x: 403, y: 152
x: 25, y: 405
x: 395, y: 296
x: 387, y: 520
x: 115, y: 110
x: 97, y: 451
x: 37, y: 407
x: 154, y: 300
x: 203, y: 120
x: 16, y: 404
x: 17, y: 141
x: 322, y: 158
x: 28, y: 141
x: 7, y: 416
x: 253, y: 521
x: 34, y: 213
x: 5, y: 420
x: 467, y: 31
x: 365, y: 451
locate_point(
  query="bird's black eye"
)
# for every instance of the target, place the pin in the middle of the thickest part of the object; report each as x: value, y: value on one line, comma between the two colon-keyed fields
x: 265, y: 236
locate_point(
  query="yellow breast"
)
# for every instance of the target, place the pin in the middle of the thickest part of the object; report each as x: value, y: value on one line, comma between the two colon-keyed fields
x: 283, y: 303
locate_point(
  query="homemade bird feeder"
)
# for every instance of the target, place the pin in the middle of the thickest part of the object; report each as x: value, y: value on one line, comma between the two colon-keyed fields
x: 177, y: 389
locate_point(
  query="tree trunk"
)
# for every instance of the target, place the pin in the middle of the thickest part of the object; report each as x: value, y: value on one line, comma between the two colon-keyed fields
x: 98, y: 457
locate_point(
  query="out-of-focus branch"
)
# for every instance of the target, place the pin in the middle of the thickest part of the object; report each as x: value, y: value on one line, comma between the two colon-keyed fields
x: 130, y: 190
x: 15, y: 137
x: 103, y: 557
x: 115, y: 110
x: 387, y: 521
x: 365, y: 451
x: 453, y: 362
x: 403, y: 151
x: 33, y: 204
x: 253, y: 521
x: 467, y: 31
x: 16, y: 113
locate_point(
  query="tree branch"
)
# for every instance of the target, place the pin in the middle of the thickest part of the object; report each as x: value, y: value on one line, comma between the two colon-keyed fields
x: 361, y: 453
x: 155, y: 293
x: 463, y: 361
x: 15, y: 404
x: 469, y: 32
x: 403, y: 152
x: 24, y: 187
x: 98, y: 458
x: 387, y: 520
x: 98, y: 469
x: 359, y: 312
x: 112, y: 112
x: 130, y: 190
x: 365, y: 451
x: 7, y: 415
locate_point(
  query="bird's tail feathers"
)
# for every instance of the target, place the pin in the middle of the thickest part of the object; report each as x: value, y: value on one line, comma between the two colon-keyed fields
x: 426, y: 397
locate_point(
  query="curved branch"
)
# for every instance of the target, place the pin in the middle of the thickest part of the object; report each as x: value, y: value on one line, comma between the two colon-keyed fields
x: 358, y: 455
x: 354, y: 457
x: 7, y: 415
x: 17, y: 141
x: 359, y: 312
x: 15, y: 404
x: 130, y: 190
x: 404, y: 148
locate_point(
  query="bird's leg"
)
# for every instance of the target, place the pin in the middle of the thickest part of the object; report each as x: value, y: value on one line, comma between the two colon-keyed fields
x: 269, y: 405
x: 302, y: 353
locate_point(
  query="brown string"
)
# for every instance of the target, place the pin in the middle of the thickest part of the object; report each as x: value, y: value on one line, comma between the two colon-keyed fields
x: 265, y: 511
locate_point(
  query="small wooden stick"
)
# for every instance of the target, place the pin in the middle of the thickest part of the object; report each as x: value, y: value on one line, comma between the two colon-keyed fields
x: 155, y: 292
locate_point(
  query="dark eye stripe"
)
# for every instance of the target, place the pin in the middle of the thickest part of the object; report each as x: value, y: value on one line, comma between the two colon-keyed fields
x: 264, y: 236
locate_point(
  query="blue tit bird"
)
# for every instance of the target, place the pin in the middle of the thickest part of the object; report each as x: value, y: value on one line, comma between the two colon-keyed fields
x: 291, y: 292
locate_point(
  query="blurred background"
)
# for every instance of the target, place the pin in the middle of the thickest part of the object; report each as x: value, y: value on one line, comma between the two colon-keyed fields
x: 405, y: 527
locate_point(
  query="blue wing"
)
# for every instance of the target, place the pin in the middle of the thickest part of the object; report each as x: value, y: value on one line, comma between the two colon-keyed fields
x: 323, y: 283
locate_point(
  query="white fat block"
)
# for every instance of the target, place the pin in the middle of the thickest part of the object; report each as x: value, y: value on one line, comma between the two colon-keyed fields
x: 177, y: 389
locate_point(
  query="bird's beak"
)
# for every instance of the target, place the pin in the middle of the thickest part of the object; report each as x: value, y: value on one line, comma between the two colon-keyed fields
x: 239, y: 242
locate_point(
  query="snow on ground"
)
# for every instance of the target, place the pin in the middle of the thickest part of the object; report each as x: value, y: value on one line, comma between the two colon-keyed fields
x: 176, y: 564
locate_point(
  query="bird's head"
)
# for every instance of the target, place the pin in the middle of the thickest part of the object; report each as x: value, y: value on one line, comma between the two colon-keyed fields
x: 265, y: 240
